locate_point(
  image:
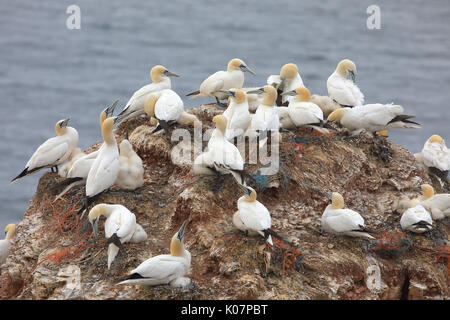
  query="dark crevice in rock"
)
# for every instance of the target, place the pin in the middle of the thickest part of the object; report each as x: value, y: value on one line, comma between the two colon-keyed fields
x: 405, y: 288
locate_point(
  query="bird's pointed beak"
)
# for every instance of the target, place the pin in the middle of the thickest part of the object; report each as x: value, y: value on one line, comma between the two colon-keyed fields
x: 110, y: 110
x: 329, y: 194
x: 352, y: 75
x: 289, y: 93
x: 64, y: 123
x: 247, y: 69
x: 170, y: 74
x: 256, y: 91
x: 95, y: 227
x: 227, y: 92
x: 182, y: 230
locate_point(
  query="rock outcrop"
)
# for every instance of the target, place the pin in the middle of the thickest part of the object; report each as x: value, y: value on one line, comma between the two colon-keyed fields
x: 52, y: 258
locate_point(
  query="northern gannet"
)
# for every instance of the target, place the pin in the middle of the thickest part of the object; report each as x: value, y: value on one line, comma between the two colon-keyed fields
x: 223, y: 80
x: 135, y: 106
x: 437, y: 204
x: 131, y: 171
x: 120, y: 227
x: 253, y: 99
x: 416, y: 219
x: 288, y: 80
x: 165, y: 106
x: 164, y: 268
x: 325, y: 103
x: 5, y: 244
x: 79, y: 170
x: 77, y: 153
x: 105, y: 169
x: 303, y: 112
x: 52, y: 152
x: 373, y: 117
x: 436, y: 155
x: 221, y: 156
x: 237, y: 113
x: 342, y: 90
x: 337, y: 220
x: 254, y: 215
x: 266, y: 116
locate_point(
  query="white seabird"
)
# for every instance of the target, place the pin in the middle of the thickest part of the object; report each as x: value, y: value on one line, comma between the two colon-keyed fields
x: 342, y: 90
x: 325, y: 103
x: 435, y: 154
x: 288, y: 80
x: 437, y: 204
x: 77, y: 153
x: 120, y: 227
x: 337, y: 220
x: 416, y: 219
x: 135, y: 106
x: 52, y: 152
x: 302, y: 112
x: 165, y: 268
x: 131, y: 171
x: 105, y: 169
x: 254, y: 215
x: 223, y: 80
x: 266, y: 116
x: 79, y: 170
x: 5, y: 244
x: 237, y: 113
x: 221, y: 156
x: 373, y: 118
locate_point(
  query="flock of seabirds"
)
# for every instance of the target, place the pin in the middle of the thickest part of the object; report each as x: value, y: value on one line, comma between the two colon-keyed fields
x: 283, y: 104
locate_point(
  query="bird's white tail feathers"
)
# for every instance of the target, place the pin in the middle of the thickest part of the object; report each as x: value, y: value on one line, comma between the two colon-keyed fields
x: 358, y: 234
x: 317, y: 128
x: 70, y: 186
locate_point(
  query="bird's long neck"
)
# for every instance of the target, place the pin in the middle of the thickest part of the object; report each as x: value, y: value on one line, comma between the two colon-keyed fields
x: 107, y: 133
x: 60, y: 131
x: 176, y: 248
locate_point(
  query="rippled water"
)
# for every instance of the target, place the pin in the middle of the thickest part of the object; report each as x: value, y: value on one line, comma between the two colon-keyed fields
x: 48, y: 72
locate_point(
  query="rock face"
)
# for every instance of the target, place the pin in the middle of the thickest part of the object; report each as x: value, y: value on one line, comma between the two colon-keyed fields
x: 53, y: 259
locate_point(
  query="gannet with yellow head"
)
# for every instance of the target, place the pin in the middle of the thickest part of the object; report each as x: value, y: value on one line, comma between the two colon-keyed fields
x: 165, y: 106
x: 223, y: 80
x: 373, y: 118
x: 437, y: 204
x: 5, y: 244
x: 165, y: 268
x: 53, y: 151
x: 135, y: 106
x: 266, y: 116
x: 120, y: 226
x: 416, y: 219
x: 105, y: 169
x: 302, y: 111
x: 342, y: 90
x: 80, y: 167
x: 237, y: 113
x: 221, y: 156
x: 288, y: 80
x: 337, y: 220
x: 254, y: 215
x: 436, y: 155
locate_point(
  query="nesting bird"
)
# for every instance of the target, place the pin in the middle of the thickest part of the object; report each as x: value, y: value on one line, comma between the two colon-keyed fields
x: 120, y: 227
x: 302, y: 111
x: 5, y: 244
x: 223, y: 80
x: 288, y: 80
x: 342, y: 90
x: 437, y: 204
x: 436, y: 155
x: 165, y: 268
x: 237, y: 113
x: 221, y: 156
x: 131, y: 171
x: 373, y: 118
x: 337, y: 220
x: 416, y: 219
x: 135, y: 106
x: 165, y: 106
x: 53, y: 151
x: 77, y: 153
x: 253, y: 215
x: 325, y: 103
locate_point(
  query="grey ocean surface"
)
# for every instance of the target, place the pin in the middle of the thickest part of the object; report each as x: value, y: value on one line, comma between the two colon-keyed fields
x: 48, y: 72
